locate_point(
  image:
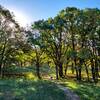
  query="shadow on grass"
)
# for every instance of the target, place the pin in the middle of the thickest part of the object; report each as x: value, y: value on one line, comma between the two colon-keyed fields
x: 21, y: 89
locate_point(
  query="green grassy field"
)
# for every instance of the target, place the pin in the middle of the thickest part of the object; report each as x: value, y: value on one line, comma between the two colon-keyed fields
x: 30, y: 88
x: 22, y: 89
x: 85, y: 90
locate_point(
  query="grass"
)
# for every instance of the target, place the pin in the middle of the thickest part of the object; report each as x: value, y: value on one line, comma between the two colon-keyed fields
x: 86, y: 91
x: 22, y: 89
x: 29, y: 88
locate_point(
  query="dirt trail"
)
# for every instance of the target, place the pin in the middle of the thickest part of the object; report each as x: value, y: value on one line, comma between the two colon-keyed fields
x: 70, y: 95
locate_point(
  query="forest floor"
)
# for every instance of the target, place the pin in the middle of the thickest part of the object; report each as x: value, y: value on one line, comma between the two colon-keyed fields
x: 24, y: 89
x: 70, y: 95
x: 82, y: 90
x: 30, y: 88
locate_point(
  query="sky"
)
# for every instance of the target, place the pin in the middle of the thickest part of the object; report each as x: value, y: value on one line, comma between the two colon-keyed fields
x: 28, y: 11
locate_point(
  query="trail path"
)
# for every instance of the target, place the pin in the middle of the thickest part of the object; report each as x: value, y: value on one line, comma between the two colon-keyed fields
x: 70, y: 95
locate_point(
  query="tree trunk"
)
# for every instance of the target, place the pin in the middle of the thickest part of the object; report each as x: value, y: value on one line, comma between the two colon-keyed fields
x: 37, y: 64
x: 79, y: 77
x: 87, y: 72
x: 0, y: 70
x: 80, y: 68
x: 2, y: 57
x: 21, y: 64
x: 96, y: 71
x: 38, y: 70
x: 93, y: 70
x: 72, y: 68
x: 66, y: 67
x: 60, y: 70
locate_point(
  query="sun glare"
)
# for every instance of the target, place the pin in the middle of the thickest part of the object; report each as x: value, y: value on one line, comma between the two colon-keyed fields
x: 21, y: 18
